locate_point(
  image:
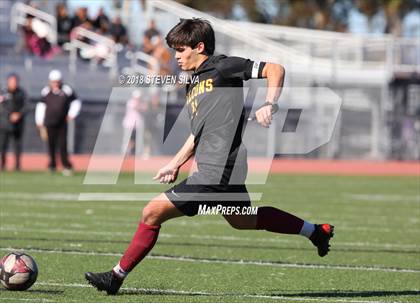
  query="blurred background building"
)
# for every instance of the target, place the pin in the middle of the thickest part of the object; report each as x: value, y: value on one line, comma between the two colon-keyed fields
x: 368, y: 52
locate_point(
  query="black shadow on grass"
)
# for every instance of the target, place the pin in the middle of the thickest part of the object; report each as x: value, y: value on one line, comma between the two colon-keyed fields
x: 130, y: 292
x: 257, y: 247
x: 326, y: 294
x: 350, y: 293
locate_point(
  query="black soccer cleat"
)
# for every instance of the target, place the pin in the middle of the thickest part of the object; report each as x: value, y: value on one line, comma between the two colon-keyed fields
x: 104, y: 281
x: 321, y: 238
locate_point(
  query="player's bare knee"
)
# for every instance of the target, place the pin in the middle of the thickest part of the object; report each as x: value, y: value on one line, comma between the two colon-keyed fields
x: 151, y: 214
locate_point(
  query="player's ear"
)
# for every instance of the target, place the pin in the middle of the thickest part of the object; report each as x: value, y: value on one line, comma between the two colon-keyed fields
x: 200, y: 47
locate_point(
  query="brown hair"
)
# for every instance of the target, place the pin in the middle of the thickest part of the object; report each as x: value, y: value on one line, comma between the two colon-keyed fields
x: 190, y: 32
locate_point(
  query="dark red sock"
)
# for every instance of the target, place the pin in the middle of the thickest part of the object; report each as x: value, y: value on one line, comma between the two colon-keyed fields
x: 143, y: 241
x: 278, y: 221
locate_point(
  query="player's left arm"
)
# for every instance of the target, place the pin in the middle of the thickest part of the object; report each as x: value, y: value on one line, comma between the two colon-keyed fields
x: 275, y: 79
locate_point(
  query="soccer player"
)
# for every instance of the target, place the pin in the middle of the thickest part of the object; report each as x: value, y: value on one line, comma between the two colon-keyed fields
x: 217, y: 123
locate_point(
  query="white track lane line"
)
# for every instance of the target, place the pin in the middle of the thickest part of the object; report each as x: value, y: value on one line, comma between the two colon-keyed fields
x: 128, y: 222
x: 203, y: 237
x: 10, y: 299
x: 221, y: 261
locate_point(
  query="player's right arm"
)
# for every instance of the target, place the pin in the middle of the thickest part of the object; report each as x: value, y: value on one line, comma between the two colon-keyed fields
x: 169, y: 172
x: 41, y: 108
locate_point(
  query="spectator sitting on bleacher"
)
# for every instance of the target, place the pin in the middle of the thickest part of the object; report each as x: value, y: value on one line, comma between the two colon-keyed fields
x: 118, y: 31
x: 35, y: 34
x: 86, y: 53
x: 162, y: 55
x: 101, y: 22
x: 64, y: 24
x: 27, y: 33
x: 81, y: 17
x: 148, y: 35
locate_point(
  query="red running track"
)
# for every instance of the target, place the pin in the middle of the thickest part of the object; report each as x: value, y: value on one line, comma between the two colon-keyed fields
x: 38, y: 162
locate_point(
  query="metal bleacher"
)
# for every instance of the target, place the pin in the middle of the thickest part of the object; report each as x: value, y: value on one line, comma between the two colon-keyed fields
x: 92, y: 83
x: 358, y: 68
x: 33, y: 70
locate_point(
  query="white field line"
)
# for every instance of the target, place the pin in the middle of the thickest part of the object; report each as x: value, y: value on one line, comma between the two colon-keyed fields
x: 66, y: 206
x: 46, y: 196
x: 131, y: 223
x: 327, y: 216
x: 382, y: 198
x: 105, y: 196
x: 146, y: 197
x: 107, y: 221
x: 379, y: 220
x: 10, y: 299
x: 220, y: 261
x: 101, y: 220
x: 124, y: 196
x: 212, y: 294
x: 203, y: 237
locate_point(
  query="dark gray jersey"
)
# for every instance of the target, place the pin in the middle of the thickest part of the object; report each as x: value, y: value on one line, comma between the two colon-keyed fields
x: 216, y: 109
x: 57, y: 104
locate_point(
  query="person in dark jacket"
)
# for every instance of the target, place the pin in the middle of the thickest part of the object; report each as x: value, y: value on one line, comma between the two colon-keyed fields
x: 12, y: 111
x: 101, y: 22
x: 58, y: 105
x: 118, y: 31
x: 64, y: 24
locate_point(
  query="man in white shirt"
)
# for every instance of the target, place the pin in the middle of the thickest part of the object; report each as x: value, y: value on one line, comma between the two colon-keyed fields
x: 58, y: 106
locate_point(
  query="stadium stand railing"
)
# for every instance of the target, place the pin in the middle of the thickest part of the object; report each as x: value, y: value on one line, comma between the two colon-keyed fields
x: 99, y: 47
x: 396, y: 53
x: 359, y: 69
x: 142, y: 63
x: 19, y: 14
x: 322, y: 55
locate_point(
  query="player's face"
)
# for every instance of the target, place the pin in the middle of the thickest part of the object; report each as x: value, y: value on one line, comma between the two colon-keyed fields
x: 55, y: 85
x: 12, y: 83
x: 186, y: 57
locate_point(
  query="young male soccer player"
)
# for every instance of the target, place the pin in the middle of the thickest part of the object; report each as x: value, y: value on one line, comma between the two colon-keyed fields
x: 217, y: 123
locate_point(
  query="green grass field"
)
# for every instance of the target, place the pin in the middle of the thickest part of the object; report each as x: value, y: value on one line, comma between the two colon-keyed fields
x: 375, y: 255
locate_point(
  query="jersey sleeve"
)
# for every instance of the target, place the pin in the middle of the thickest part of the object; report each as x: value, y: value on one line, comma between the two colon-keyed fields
x: 44, y: 92
x: 237, y: 67
x: 68, y: 90
x: 40, y: 113
x: 74, y: 103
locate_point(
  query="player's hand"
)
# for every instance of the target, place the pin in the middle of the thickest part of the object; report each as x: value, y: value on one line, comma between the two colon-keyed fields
x: 167, y: 174
x: 43, y: 132
x: 264, y: 116
x: 15, y: 117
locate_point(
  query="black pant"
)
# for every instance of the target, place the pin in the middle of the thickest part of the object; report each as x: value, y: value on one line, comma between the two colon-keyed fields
x: 58, y: 135
x: 5, y: 135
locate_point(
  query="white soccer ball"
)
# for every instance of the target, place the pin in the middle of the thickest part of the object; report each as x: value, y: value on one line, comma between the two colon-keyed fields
x: 18, y: 271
